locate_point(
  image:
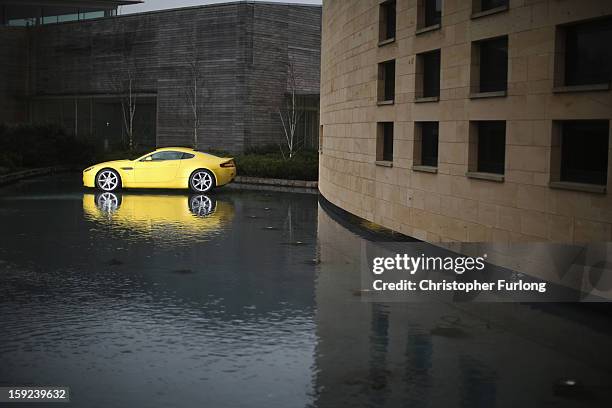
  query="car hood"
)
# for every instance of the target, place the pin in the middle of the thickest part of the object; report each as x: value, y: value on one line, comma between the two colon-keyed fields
x: 114, y: 163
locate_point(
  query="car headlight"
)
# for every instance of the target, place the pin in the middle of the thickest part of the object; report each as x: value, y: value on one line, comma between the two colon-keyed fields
x: 87, y: 169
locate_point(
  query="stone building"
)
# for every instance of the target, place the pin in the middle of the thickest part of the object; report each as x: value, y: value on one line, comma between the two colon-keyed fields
x: 470, y: 120
x: 238, y: 56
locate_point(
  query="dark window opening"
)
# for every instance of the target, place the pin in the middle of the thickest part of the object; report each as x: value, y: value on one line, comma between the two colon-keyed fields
x: 588, y: 53
x: 387, y: 77
x: 385, y: 141
x: 491, y: 146
x: 187, y: 156
x: 429, y: 144
x: 433, y: 12
x: 387, y: 20
x: 584, y: 151
x: 493, y: 65
x: 431, y: 74
x: 491, y: 4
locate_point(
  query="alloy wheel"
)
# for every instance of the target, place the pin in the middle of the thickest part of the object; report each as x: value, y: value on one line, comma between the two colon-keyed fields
x: 201, y: 181
x: 108, y: 180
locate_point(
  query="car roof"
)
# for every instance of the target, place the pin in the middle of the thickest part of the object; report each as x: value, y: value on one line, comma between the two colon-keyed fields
x: 175, y: 149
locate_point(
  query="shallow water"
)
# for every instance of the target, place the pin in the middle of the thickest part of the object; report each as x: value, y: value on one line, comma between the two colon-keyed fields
x: 250, y: 299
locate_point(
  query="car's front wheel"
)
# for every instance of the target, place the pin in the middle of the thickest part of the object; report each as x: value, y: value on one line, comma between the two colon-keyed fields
x: 201, y: 205
x: 108, y: 180
x: 201, y: 181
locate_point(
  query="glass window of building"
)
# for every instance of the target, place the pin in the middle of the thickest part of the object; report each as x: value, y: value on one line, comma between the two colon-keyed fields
x: 428, y: 74
x: 386, y: 81
x: 88, y: 14
x: 52, y: 15
x: 429, y: 15
x: 387, y: 21
x: 486, y: 5
x: 491, y: 141
x: 429, y: 143
x: 588, y: 53
x: 492, y: 64
x: 384, y: 141
x: 432, y: 12
x: 584, y: 151
x: 21, y: 16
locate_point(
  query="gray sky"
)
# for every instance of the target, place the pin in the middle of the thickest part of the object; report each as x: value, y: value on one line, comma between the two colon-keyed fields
x: 167, y: 4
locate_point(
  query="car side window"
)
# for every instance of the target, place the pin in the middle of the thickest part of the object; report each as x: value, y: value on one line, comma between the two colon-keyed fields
x: 188, y: 156
x: 166, y: 155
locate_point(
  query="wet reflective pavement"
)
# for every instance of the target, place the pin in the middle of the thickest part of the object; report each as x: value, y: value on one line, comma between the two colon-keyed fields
x: 250, y: 299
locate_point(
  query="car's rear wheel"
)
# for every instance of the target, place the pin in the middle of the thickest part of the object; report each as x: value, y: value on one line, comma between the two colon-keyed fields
x: 201, y: 181
x: 108, y: 180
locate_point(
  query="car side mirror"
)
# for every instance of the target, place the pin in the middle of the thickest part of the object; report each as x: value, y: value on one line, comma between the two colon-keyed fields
x: 148, y: 158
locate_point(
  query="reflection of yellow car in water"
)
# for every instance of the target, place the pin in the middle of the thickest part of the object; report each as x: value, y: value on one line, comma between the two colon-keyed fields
x: 168, y: 167
x: 193, y: 214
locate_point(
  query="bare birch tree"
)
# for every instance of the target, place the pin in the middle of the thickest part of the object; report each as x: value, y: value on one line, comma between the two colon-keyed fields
x: 195, y: 91
x: 125, y: 82
x: 128, y: 102
x: 290, y: 115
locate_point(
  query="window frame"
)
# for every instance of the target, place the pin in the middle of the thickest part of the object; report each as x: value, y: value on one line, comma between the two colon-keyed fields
x: 480, y: 10
x: 568, y: 56
x: 420, y: 162
x: 475, y: 152
x: 385, y: 135
x: 424, y: 16
x: 480, y: 85
x: 423, y: 75
x: 387, y: 32
x: 559, y: 154
x: 385, y: 84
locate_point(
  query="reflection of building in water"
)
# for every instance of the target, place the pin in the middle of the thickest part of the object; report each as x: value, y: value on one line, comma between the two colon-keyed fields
x: 434, y: 354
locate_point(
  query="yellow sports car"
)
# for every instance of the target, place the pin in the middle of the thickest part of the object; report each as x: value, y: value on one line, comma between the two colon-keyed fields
x: 168, y: 167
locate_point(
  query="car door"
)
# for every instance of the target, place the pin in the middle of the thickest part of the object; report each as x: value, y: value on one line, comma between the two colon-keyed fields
x: 158, y: 169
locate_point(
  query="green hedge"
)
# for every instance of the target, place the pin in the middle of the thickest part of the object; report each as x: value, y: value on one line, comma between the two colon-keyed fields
x: 29, y: 146
x: 303, y: 166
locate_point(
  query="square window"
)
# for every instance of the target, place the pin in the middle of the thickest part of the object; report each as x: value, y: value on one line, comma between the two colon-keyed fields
x: 490, y: 65
x: 491, y: 4
x: 584, y: 151
x: 429, y: 13
x: 426, y: 144
x: 387, y: 21
x: 487, y: 146
x: 386, y: 81
x: 588, y: 54
x: 384, y: 141
x: 428, y: 74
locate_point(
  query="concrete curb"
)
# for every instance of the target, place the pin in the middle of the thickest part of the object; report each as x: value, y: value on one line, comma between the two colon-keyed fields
x: 25, y: 174
x: 277, y: 182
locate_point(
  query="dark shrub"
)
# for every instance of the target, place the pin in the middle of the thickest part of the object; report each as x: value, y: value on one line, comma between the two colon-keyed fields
x: 41, y: 146
x: 303, y: 166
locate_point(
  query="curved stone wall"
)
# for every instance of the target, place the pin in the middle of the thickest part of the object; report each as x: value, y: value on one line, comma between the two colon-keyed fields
x: 447, y: 205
